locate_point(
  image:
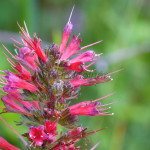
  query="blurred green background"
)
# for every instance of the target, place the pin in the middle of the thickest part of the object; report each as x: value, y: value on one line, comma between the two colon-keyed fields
x: 124, y: 27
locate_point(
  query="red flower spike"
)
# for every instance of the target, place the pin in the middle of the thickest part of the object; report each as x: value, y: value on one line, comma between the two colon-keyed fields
x: 43, y: 83
x: 37, y: 134
x: 7, y: 146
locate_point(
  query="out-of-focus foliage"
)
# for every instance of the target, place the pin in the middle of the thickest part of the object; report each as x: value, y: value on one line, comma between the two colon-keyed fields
x: 124, y: 27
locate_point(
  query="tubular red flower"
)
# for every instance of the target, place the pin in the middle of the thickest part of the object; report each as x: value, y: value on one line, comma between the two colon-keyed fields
x: 77, y: 66
x: 7, y: 146
x: 16, y: 82
x: 84, y: 108
x: 38, y: 49
x: 72, y: 48
x: 65, y: 37
x: 79, y: 81
x: 77, y: 63
x: 89, y: 108
x: 10, y: 103
x: 87, y: 56
x: 14, y: 94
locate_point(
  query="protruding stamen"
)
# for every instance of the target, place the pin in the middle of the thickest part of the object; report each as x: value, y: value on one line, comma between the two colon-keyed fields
x: 16, y: 51
x: 103, y: 109
x: 103, y: 97
x: 114, y: 72
x: 78, y: 36
x: 8, y: 51
x: 93, y: 148
x: 110, y: 103
x: 17, y: 42
x: 95, y: 131
x: 90, y: 64
x: 71, y: 14
x: 98, y: 54
x: 16, y: 46
x: 2, y: 71
x: 15, y: 69
x: 2, y: 82
x: 91, y: 44
x: 9, y: 60
x: 26, y: 28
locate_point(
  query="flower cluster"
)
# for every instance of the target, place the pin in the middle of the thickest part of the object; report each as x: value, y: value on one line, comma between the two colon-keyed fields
x: 41, y: 86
